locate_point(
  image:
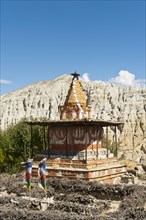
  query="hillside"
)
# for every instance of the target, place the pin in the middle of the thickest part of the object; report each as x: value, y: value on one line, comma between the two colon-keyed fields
x: 108, y: 101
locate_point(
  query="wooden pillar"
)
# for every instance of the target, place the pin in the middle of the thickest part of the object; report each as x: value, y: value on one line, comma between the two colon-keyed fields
x: 116, y: 152
x: 48, y: 142
x: 97, y: 131
x: 44, y: 130
x: 31, y: 142
x: 107, y: 141
x: 86, y: 156
x: 66, y: 142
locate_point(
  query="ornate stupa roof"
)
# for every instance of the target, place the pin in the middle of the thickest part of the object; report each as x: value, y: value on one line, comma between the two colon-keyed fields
x: 75, y: 95
x: 75, y: 107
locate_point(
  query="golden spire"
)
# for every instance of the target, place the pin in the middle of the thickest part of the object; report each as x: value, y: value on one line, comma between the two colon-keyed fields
x: 75, y: 107
x: 75, y: 95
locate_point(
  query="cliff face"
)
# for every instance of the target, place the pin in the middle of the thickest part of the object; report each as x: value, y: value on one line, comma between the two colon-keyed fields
x: 108, y: 101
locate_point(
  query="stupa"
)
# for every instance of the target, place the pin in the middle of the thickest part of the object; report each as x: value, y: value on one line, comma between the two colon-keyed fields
x: 74, y: 142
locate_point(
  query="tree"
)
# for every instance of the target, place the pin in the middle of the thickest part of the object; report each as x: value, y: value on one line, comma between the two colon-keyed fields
x: 111, y: 145
x: 15, y: 145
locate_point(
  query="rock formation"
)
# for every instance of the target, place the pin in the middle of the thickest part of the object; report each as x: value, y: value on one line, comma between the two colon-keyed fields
x: 108, y: 102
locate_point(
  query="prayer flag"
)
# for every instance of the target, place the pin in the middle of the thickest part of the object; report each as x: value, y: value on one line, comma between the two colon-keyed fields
x: 42, y: 174
x: 27, y: 174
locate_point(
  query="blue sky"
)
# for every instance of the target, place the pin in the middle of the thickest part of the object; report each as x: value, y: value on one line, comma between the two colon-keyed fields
x: 41, y: 40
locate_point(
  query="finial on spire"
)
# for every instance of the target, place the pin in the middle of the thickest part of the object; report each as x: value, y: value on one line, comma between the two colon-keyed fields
x: 75, y: 74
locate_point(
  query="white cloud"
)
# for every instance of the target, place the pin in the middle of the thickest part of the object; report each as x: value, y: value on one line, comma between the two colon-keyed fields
x: 85, y: 77
x: 6, y: 82
x: 126, y: 78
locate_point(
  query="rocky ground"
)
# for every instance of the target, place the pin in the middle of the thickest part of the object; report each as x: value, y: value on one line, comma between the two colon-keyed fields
x: 70, y: 200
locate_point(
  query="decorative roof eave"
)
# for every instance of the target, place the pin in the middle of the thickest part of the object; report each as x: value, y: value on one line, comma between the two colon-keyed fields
x: 99, y: 123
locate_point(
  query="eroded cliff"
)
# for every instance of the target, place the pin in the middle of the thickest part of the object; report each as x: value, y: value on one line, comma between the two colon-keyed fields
x: 108, y: 101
